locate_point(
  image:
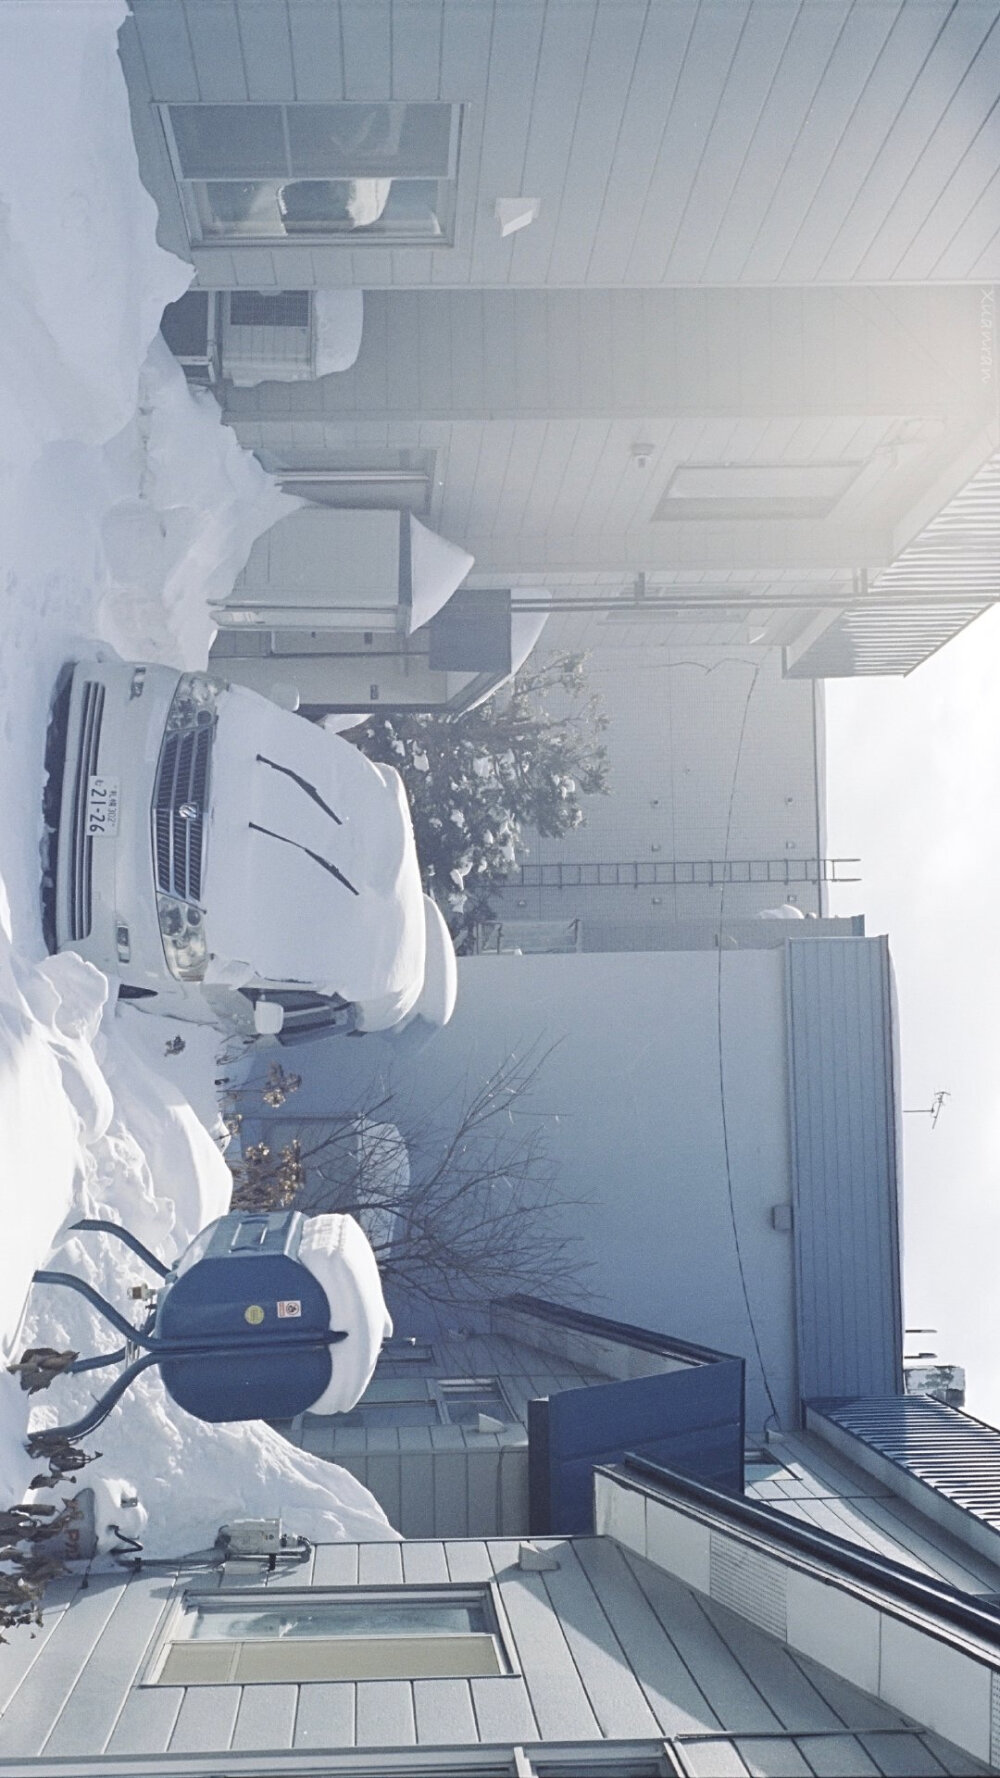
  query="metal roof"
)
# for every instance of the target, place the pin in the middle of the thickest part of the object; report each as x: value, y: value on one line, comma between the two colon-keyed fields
x: 944, y: 1448
x: 950, y: 572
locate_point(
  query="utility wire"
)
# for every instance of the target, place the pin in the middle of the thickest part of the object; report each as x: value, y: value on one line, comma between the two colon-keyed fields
x: 718, y: 1028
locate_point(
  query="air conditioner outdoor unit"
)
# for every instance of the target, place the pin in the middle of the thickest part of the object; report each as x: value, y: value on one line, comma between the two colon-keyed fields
x: 190, y: 328
x: 289, y: 336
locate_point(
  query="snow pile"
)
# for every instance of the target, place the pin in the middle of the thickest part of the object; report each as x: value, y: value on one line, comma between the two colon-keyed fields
x: 176, y: 544
x: 40, y: 1124
x: 139, y: 1156
x: 82, y: 281
x: 335, y: 1249
x: 120, y: 490
x: 124, y: 505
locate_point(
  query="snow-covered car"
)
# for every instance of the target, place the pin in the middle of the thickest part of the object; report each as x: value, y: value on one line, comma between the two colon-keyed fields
x: 229, y: 862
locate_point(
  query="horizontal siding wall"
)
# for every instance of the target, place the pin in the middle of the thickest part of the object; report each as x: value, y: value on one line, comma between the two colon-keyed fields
x: 707, y: 141
x: 844, y: 1147
x: 533, y: 404
x: 604, y: 1645
x: 450, y: 1481
x: 636, y: 354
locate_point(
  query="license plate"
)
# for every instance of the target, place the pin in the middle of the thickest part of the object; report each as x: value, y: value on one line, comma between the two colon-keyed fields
x: 102, y: 806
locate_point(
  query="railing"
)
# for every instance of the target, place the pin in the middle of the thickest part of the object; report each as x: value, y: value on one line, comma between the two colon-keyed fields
x: 682, y: 873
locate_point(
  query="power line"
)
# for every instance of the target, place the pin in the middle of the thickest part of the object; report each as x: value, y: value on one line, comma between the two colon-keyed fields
x: 722, y: 1079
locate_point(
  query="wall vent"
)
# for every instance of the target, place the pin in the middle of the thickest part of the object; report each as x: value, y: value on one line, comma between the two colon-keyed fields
x: 995, y: 1719
x: 267, y: 335
x: 261, y: 308
x: 748, y: 1583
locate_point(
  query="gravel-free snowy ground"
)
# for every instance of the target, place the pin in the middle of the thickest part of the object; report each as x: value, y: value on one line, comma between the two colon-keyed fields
x: 125, y: 506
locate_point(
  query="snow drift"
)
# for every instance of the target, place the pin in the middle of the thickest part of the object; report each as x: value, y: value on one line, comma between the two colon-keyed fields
x: 124, y: 505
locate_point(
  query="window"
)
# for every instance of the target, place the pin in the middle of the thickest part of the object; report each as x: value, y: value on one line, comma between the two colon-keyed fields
x: 258, y: 1637
x: 760, y: 1465
x: 383, y: 173
x: 394, y: 1398
x: 755, y: 490
x: 465, y: 1398
x: 391, y: 1400
x: 398, y: 1357
x: 401, y: 480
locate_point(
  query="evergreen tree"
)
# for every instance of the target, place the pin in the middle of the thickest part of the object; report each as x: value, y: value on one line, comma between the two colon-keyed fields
x: 523, y: 759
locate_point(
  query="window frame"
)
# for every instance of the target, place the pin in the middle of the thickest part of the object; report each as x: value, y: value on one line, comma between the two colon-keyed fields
x: 484, y: 1595
x: 760, y: 1457
x: 406, y: 1350
x: 425, y: 1390
x: 731, y: 506
x: 445, y: 212
x: 441, y: 1385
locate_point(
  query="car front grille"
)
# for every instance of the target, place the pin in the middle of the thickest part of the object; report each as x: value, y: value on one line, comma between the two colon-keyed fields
x: 179, y: 837
x: 82, y: 845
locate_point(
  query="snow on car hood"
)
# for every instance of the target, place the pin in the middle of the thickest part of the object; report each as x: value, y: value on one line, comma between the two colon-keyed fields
x: 311, y: 868
x: 436, y: 1001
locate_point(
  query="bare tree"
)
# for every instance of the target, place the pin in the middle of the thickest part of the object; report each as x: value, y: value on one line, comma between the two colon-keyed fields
x: 480, y: 1212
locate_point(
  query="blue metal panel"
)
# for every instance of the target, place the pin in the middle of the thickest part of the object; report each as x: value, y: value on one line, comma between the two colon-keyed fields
x: 842, y: 1091
x: 231, y: 1287
x: 944, y: 1448
x: 690, y: 1420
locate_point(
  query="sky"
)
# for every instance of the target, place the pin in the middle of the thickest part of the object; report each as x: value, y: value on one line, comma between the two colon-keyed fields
x: 913, y: 779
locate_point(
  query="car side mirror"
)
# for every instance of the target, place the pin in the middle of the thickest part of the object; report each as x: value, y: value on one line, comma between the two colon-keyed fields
x: 268, y: 1017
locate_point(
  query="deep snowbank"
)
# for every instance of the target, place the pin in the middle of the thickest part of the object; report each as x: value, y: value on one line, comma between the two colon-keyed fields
x: 189, y: 1477
x: 82, y: 281
x: 124, y: 506
x: 176, y: 544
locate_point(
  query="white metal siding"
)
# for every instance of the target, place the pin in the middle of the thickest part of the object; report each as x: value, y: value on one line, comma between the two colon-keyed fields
x: 705, y: 141
x: 604, y: 1646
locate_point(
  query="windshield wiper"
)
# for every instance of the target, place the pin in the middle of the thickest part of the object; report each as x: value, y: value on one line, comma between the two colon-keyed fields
x: 325, y: 862
x: 303, y: 784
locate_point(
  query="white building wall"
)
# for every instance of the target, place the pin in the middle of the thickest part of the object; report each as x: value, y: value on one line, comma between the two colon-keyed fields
x: 664, y: 1100
x: 713, y: 760
x: 705, y: 143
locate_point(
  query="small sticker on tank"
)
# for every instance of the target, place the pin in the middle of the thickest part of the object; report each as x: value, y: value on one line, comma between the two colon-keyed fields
x: 254, y: 1314
x: 288, y: 1310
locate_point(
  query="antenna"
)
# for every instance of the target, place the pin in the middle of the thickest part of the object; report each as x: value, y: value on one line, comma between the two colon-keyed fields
x: 933, y: 1110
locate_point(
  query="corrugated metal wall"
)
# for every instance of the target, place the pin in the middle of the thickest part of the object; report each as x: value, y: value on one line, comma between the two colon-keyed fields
x: 844, y: 1157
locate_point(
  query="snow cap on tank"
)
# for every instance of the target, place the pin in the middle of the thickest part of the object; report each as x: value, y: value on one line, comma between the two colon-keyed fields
x: 336, y: 1250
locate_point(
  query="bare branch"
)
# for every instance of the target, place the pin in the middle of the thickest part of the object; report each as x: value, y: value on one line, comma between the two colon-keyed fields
x: 484, y: 1212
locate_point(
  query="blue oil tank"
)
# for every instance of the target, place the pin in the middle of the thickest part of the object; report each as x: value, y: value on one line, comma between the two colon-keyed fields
x: 261, y: 1318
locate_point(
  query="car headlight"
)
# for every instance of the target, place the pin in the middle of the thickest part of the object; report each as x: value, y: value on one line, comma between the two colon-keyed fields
x: 182, y: 930
x: 194, y: 703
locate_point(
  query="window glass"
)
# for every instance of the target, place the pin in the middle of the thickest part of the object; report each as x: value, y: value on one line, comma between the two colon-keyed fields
x: 229, y: 141
x: 466, y: 1398
x: 265, y: 210
x: 760, y: 1465
x: 394, y: 1616
x: 267, y: 172
x: 407, y: 1387
x: 347, y: 141
x: 391, y: 1413
x: 257, y: 1638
